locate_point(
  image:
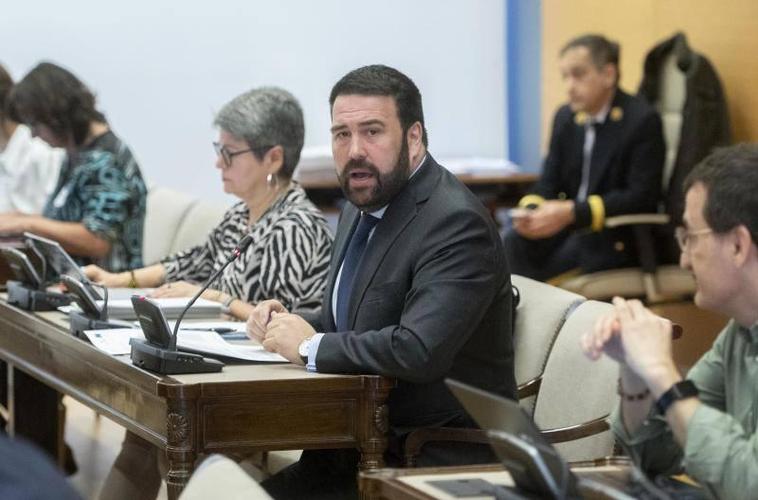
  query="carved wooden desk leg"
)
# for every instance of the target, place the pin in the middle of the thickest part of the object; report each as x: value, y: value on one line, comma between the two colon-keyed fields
x: 375, y: 423
x: 182, y: 433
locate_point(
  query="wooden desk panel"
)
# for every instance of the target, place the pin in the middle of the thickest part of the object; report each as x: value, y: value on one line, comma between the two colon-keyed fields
x: 243, y: 409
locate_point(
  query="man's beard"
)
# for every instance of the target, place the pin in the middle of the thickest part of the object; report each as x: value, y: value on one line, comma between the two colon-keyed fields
x: 387, y: 185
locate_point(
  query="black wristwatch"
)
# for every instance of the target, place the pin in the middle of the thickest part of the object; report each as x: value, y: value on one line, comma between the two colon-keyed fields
x: 681, y: 390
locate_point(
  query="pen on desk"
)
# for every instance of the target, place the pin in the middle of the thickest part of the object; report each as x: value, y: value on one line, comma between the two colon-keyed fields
x: 220, y: 329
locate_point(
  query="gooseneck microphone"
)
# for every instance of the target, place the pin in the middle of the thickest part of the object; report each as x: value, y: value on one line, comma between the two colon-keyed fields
x: 158, y: 352
x: 241, y: 247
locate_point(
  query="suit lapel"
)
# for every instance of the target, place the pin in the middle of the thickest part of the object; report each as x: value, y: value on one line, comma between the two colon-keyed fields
x: 401, y: 211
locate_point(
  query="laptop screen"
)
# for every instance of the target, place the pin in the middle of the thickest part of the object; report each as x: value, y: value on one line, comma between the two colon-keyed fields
x: 533, y: 462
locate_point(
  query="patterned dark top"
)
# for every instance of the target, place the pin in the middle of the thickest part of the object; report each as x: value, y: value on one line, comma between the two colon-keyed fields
x: 102, y: 188
x: 288, y: 260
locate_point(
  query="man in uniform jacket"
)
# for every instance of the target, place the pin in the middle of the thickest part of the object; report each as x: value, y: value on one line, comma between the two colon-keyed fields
x: 605, y: 158
x: 429, y: 298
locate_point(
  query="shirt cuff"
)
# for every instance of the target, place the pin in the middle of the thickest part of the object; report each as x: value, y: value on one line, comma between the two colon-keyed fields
x: 312, y: 351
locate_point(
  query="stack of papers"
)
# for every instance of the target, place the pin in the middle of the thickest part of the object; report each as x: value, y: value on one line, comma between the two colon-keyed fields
x: 171, y: 307
x: 116, y: 342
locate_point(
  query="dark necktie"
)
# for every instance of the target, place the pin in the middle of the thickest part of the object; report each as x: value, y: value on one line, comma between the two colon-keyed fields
x: 350, y: 265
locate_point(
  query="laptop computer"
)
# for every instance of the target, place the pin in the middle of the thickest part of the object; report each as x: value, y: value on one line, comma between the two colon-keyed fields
x: 535, y: 465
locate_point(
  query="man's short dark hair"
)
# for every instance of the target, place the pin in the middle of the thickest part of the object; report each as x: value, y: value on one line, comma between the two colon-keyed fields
x: 602, y: 51
x: 730, y: 176
x: 53, y: 96
x: 382, y: 80
x: 6, y: 83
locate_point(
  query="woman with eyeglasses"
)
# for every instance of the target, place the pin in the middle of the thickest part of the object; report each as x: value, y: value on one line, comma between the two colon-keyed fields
x: 97, y: 209
x: 261, y: 133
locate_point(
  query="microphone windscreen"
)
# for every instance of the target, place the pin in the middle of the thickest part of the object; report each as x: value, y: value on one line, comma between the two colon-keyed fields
x: 245, y: 242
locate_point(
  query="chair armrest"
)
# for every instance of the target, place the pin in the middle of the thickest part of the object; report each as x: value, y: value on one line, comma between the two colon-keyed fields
x: 573, y: 432
x: 529, y: 388
x: 418, y: 438
x: 637, y: 219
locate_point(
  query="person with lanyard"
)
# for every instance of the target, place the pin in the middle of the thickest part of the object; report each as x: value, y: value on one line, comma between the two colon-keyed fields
x: 605, y: 158
x: 704, y: 423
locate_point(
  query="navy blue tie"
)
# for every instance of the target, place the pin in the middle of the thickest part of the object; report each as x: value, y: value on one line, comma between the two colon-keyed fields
x: 350, y: 264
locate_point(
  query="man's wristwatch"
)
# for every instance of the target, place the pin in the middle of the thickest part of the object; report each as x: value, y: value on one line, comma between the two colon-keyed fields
x: 681, y: 390
x: 303, y: 348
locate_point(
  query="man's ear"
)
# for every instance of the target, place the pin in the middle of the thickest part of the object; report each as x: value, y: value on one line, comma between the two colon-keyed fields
x: 415, y: 139
x: 743, y: 245
x: 610, y: 74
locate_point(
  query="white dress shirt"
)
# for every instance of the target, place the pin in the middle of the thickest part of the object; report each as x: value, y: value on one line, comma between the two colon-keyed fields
x: 29, y: 170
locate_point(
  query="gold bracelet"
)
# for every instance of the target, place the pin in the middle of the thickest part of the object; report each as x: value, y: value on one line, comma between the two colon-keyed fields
x: 632, y: 397
x: 132, y: 280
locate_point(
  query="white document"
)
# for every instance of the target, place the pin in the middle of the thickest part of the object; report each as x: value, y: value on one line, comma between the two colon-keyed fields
x: 116, y: 342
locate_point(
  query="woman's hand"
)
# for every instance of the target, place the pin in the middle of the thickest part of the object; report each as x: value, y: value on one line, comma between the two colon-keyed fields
x: 176, y: 289
x: 103, y: 277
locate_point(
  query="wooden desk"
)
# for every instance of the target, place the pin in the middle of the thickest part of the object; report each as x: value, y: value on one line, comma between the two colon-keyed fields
x: 409, y: 484
x: 244, y: 408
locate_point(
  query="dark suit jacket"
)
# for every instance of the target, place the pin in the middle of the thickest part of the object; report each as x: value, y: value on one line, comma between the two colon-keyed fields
x: 625, y: 170
x: 432, y: 299
x: 705, y: 117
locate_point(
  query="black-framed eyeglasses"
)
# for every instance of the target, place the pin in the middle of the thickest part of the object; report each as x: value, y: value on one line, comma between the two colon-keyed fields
x: 223, y: 152
x: 684, y: 236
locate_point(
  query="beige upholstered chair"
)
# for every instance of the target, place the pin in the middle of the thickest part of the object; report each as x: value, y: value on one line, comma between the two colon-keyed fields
x: 221, y: 477
x: 200, y: 219
x: 540, y: 314
x: 175, y: 221
x: 574, y: 395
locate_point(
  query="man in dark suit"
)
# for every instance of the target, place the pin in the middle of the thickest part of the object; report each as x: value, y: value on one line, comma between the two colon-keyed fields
x: 418, y: 288
x: 606, y: 158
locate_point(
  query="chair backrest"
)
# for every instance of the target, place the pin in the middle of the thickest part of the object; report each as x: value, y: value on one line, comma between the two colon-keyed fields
x: 201, y: 218
x: 165, y: 210
x: 540, y: 314
x: 670, y: 105
x: 175, y: 221
x: 576, y: 390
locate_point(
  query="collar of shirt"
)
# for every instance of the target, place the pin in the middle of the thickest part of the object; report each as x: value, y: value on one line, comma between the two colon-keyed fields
x: 601, y: 115
x: 380, y: 213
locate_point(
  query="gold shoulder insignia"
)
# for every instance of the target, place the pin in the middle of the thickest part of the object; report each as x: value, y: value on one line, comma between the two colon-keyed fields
x: 581, y: 118
x: 616, y: 113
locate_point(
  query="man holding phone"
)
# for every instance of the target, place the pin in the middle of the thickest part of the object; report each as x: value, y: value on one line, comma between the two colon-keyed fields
x: 605, y: 158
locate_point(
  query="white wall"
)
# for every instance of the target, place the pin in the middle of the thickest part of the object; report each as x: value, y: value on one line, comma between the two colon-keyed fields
x: 161, y: 69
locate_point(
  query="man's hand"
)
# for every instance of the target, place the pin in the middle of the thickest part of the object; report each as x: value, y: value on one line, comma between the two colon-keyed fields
x: 548, y: 219
x: 176, y: 289
x: 103, y: 277
x: 284, y: 335
x: 257, y: 322
x: 636, y: 338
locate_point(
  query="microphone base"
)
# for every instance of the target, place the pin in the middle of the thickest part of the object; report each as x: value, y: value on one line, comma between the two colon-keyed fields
x: 31, y: 299
x: 78, y: 322
x: 167, y: 362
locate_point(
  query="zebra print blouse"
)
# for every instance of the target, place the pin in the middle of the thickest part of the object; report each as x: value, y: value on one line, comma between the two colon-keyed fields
x: 288, y: 260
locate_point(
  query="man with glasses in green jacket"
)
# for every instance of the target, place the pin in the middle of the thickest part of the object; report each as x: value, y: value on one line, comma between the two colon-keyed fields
x: 704, y: 423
